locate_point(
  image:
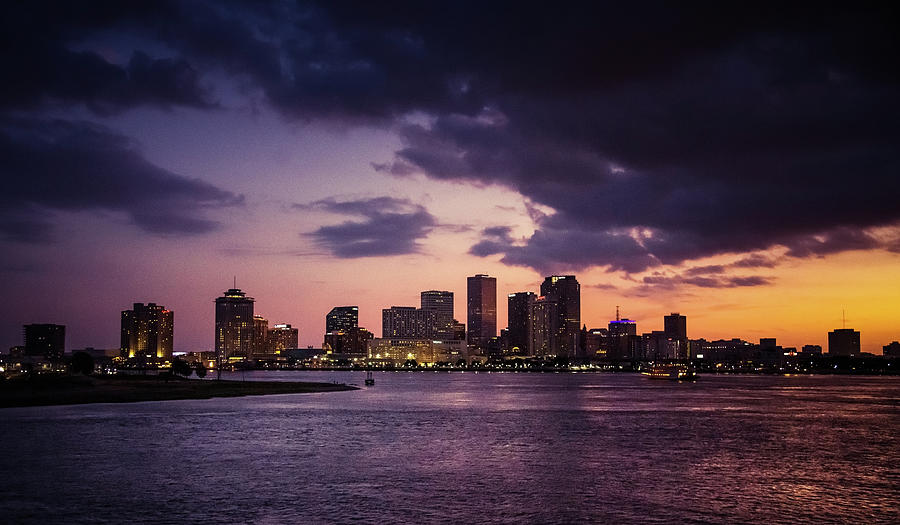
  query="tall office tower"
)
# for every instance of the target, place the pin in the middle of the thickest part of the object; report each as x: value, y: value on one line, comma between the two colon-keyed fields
x: 261, y: 346
x: 565, y: 291
x: 621, y: 336
x: 147, y: 331
x: 342, y: 319
x: 843, y: 341
x: 234, y: 324
x: 442, y: 304
x: 519, y: 322
x: 47, y: 340
x: 675, y: 327
x: 407, y: 322
x: 544, y: 329
x: 481, y: 307
x: 283, y: 337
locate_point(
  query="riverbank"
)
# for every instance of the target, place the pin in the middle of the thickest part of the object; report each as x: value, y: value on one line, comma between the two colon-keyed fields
x: 46, y: 390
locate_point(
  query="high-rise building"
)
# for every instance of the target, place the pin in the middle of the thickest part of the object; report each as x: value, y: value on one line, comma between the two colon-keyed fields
x: 47, y: 340
x: 261, y: 346
x: 519, y: 322
x: 544, y: 327
x: 283, y: 337
x: 342, y: 319
x: 234, y: 324
x: 622, y: 334
x: 147, y: 332
x: 565, y: 291
x: 675, y: 328
x: 407, y: 322
x: 481, y: 308
x: 442, y: 304
x: 843, y: 341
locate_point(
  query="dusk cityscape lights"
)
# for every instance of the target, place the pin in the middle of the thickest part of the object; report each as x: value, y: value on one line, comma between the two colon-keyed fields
x: 430, y: 262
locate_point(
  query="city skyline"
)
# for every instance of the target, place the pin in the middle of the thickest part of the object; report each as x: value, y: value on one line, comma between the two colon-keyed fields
x: 423, y: 323
x: 744, y: 172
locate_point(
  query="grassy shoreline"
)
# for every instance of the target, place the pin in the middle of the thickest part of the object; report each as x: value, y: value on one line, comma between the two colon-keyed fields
x: 76, y: 390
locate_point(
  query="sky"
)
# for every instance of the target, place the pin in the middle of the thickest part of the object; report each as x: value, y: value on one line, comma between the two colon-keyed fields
x: 734, y: 163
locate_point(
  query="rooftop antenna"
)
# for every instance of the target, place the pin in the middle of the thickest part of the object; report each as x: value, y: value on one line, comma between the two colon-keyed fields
x: 843, y: 319
x: 235, y: 282
x: 617, y: 312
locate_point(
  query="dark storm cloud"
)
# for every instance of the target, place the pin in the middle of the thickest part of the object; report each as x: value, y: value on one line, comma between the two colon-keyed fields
x: 43, y: 65
x: 388, y: 226
x: 657, y: 133
x: 57, y: 165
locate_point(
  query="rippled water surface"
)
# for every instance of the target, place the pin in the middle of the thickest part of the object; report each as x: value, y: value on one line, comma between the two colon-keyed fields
x: 469, y: 448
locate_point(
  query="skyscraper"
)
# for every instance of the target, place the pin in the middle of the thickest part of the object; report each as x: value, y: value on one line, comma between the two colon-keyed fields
x: 442, y: 304
x: 342, y: 319
x: 47, y: 340
x: 675, y: 328
x: 519, y: 322
x: 565, y: 291
x: 481, y: 307
x: 544, y: 327
x: 843, y: 341
x: 234, y: 324
x: 407, y: 322
x: 621, y: 338
x: 261, y: 346
x: 147, y: 331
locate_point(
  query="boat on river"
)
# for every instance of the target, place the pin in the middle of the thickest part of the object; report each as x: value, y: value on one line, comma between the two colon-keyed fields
x: 370, y: 379
x: 672, y: 371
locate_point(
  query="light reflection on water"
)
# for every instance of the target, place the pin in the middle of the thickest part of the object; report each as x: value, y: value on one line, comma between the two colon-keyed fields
x: 494, y: 448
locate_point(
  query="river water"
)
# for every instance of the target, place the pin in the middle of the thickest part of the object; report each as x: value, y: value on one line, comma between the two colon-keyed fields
x: 423, y: 447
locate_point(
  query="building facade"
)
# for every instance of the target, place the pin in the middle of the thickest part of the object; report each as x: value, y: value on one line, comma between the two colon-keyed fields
x: 519, y: 322
x: 481, y: 309
x: 544, y: 327
x: 565, y: 291
x: 342, y: 319
x: 407, y: 322
x: 843, y: 341
x: 261, y: 346
x: 283, y: 337
x: 441, y: 302
x: 234, y: 325
x: 147, y: 332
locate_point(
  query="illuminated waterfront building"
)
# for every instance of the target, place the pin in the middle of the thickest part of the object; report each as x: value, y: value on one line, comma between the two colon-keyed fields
x: 544, y: 327
x: 342, y: 319
x: 407, y: 322
x: 234, y: 324
x: 481, y: 309
x: 519, y: 322
x: 147, y: 332
x: 442, y: 304
x: 46, y: 340
x: 843, y: 341
x: 353, y: 341
x: 283, y: 337
x: 261, y: 347
x: 397, y: 351
x: 565, y: 291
